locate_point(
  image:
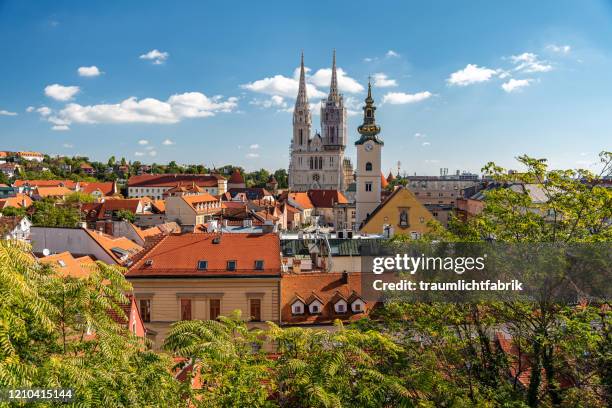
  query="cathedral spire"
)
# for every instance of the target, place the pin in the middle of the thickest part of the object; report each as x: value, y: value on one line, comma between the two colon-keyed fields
x: 302, y: 98
x: 333, y: 88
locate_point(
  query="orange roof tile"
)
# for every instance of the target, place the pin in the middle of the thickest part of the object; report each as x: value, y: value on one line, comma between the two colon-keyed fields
x: 106, y: 188
x: 326, y: 198
x: 19, y: 201
x: 383, y: 181
x: 170, y: 180
x: 46, y: 183
x: 66, y: 265
x: 108, y: 243
x: 236, y: 178
x: 53, y: 191
x: 178, y: 255
x: 301, y: 199
x: 325, y: 287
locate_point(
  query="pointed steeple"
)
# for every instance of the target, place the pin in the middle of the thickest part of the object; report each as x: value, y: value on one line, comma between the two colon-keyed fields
x: 333, y: 87
x: 302, y: 98
x: 369, y: 129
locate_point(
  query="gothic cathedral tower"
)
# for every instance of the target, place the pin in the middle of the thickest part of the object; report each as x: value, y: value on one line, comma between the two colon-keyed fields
x: 317, y: 161
x: 369, y: 149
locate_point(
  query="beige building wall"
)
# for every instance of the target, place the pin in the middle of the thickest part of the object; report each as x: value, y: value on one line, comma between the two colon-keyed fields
x: 179, y: 211
x: 165, y: 296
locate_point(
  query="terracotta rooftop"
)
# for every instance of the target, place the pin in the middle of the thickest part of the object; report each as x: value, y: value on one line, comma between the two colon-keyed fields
x: 236, y: 177
x: 301, y: 199
x: 383, y: 181
x: 19, y: 201
x: 53, y: 191
x: 326, y: 198
x: 325, y: 287
x: 114, y: 246
x: 171, y: 180
x: 46, y: 183
x: 67, y: 265
x: 106, y: 188
x: 178, y: 255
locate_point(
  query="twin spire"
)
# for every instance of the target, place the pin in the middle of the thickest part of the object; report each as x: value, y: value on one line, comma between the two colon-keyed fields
x: 302, y: 98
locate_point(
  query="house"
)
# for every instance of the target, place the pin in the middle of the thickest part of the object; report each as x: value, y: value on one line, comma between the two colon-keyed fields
x: 27, y: 186
x: 400, y: 213
x: 15, y: 227
x: 324, y: 202
x: 192, y: 209
x: 19, y: 201
x: 58, y: 193
x: 4, y: 156
x: 99, y: 189
x: 154, y: 185
x: 81, y: 241
x: 301, y: 201
x: 250, y: 193
x: 142, y: 236
x: 86, y: 168
x: 321, y: 298
x: 236, y: 180
x: 183, y: 189
x: 68, y: 266
x: 203, y: 276
x: 31, y: 156
x: 10, y: 170
x: 344, y: 216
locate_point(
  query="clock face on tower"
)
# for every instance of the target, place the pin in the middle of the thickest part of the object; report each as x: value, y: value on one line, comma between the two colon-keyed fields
x: 369, y: 146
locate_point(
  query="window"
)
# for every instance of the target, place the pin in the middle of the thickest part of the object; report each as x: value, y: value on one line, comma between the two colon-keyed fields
x: 368, y: 166
x: 202, y: 265
x: 231, y: 265
x: 185, y: 309
x: 368, y: 186
x: 357, y: 307
x: 314, y: 309
x: 255, y: 308
x: 297, y: 308
x: 215, y: 308
x: 145, y: 310
x: 259, y: 265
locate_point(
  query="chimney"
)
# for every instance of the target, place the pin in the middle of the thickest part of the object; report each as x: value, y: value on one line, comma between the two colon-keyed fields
x: 268, y: 227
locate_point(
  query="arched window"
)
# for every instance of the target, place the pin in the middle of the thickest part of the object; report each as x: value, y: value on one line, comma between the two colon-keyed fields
x: 368, y: 166
x: 320, y: 163
x: 301, y: 138
x: 369, y: 113
x: 311, y: 163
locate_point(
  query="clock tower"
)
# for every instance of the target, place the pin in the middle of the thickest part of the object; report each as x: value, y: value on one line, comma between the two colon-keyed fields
x: 368, y: 173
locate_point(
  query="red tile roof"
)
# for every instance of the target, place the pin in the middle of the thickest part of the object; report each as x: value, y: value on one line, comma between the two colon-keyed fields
x: 67, y: 265
x: 236, y: 177
x: 301, y: 199
x: 178, y: 255
x: 327, y: 288
x: 106, y: 188
x: 171, y: 180
x: 108, y: 243
x: 53, y: 191
x: 326, y: 198
x: 383, y: 181
x: 46, y: 183
x: 19, y: 201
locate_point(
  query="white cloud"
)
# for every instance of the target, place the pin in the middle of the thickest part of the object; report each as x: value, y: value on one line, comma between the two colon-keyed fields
x: 282, y: 86
x: 139, y: 154
x: 561, y: 49
x: 392, y: 53
x: 60, y: 128
x: 147, y: 110
x: 7, y: 113
x: 381, y: 80
x: 68, y: 145
x: 254, y: 146
x: 143, y: 142
x: 252, y: 155
x: 167, y: 142
x: 471, y: 74
x: 274, y: 101
x: 400, y: 98
x: 419, y: 135
x: 529, y: 62
x: 92, y: 71
x: 514, y: 85
x: 61, y: 93
x: 322, y: 78
x: 44, y: 111
x: 158, y: 57
x: 152, y: 153
x: 368, y: 59
x: 30, y: 109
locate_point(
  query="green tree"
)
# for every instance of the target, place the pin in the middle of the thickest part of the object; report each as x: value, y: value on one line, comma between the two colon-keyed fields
x: 56, y: 331
x: 47, y: 213
x: 281, y: 178
x: 126, y: 215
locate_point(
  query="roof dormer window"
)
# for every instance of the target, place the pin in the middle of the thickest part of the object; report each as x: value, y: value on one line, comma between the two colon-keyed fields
x: 231, y: 265
x: 202, y: 265
x: 259, y: 265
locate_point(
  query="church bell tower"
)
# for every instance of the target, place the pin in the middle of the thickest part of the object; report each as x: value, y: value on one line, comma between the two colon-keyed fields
x: 368, y: 171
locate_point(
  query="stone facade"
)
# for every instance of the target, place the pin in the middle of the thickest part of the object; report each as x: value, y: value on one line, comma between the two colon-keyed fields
x: 317, y: 161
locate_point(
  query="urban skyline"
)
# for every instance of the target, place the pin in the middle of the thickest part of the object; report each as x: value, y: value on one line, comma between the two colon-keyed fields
x: 484, y: 88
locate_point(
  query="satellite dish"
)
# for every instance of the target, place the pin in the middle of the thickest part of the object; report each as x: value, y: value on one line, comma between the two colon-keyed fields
x: 46, y: 252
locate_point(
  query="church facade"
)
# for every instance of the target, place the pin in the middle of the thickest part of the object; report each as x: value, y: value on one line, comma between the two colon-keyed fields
x: 317, y: 160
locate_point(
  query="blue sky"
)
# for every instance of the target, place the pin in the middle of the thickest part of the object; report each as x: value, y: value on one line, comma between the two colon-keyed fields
x: 457, y: 83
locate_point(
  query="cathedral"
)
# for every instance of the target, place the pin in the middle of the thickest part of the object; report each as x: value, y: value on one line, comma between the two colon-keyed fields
x: 317, y: 160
